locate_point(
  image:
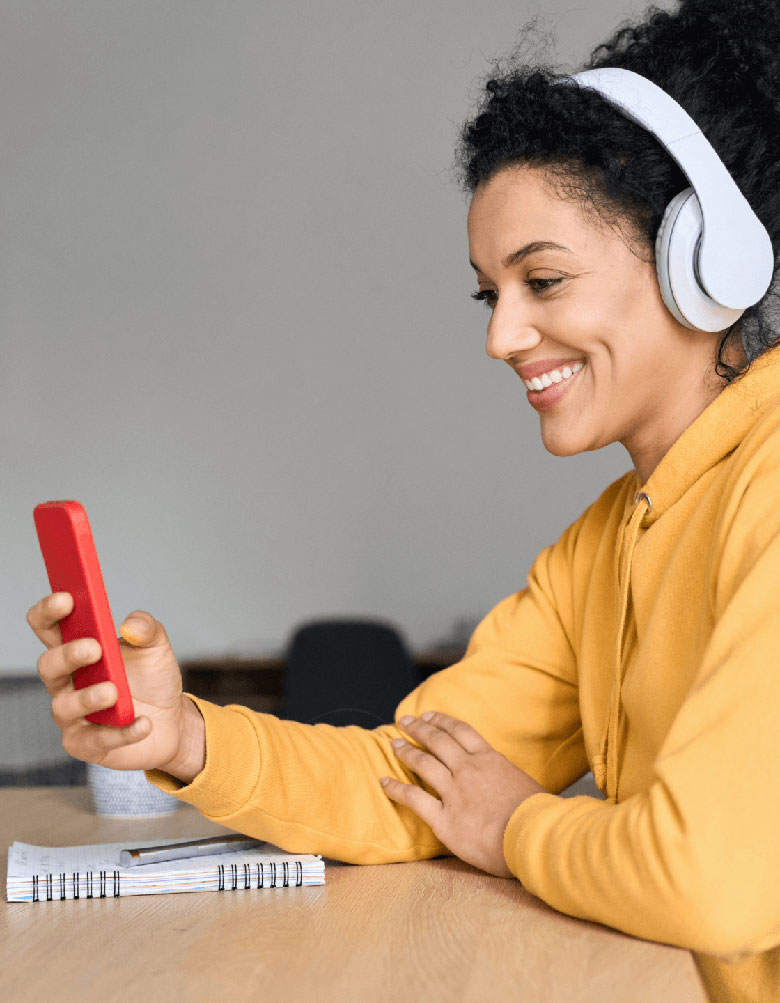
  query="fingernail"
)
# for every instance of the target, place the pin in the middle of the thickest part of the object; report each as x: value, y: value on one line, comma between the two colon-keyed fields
x: 407, y: 719
x: 384, y: 781
x: 131, y: 631
x: 398, y: 742
x: 427, y: 715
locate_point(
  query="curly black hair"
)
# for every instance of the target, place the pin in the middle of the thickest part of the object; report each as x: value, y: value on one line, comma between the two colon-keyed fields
x: 719, y: 59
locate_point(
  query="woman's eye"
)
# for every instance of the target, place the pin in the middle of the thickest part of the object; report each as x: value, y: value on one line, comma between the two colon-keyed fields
x: 489, y: 296
x: 539, y: 285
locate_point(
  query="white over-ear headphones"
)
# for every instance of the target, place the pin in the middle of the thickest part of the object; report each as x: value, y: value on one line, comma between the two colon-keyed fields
x: 713, y: 255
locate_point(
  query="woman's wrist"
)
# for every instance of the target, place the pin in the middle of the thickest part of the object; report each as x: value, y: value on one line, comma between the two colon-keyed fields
x: 190, y: 757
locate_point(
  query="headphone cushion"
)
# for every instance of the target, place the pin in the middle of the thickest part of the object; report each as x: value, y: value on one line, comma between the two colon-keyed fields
x: 676, y: 250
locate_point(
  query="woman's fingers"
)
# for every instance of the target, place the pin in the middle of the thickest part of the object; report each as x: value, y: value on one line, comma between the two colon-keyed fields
x: 442, y: 745
x: 71, y: 705
x: 82, y: 739
x: 93, y: 742
x: 45, y: 615
x: 423, y: 804
x: 448, y: 741
x: 427, y: 767
x: 446, y: 737
x: 466, y: 736
x: 57, y: 665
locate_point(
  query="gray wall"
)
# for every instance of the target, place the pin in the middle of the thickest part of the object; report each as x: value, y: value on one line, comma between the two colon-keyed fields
x: 235, y: 321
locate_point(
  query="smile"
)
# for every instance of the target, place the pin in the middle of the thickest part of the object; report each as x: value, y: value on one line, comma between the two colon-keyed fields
x: 540, y: 383
x: 558, y: 384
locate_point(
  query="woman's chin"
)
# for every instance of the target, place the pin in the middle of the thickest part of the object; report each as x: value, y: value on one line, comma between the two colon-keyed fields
x: 558, y: 443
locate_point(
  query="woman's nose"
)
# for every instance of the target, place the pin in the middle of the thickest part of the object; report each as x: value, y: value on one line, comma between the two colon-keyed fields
x: 508, y: 333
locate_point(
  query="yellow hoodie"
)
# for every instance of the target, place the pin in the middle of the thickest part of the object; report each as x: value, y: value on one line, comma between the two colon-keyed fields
x: 646, y: 646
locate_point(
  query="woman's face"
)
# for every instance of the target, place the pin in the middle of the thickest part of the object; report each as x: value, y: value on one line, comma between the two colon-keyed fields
x: 643, y: 378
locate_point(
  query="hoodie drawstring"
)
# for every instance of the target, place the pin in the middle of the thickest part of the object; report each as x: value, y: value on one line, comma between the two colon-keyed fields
x: 605, y: 766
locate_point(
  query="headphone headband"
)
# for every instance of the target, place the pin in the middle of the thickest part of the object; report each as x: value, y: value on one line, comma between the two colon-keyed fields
x: 734, y: 260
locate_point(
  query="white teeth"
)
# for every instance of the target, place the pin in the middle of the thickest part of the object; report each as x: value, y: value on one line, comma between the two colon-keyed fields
x: 556, y: 376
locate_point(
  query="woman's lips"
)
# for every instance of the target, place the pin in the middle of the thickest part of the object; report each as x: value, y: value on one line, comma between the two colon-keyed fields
x: 549, y: 397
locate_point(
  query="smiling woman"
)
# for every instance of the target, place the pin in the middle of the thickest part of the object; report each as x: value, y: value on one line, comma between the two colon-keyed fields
x: 644, y: 644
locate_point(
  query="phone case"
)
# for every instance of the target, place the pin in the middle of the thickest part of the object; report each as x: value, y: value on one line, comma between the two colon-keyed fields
x: 72, y: 565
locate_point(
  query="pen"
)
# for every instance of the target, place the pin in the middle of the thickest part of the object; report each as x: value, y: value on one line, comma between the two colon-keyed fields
x: 193, y: 848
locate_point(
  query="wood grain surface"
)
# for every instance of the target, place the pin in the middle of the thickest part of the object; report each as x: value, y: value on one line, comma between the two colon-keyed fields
x: 435, y: 930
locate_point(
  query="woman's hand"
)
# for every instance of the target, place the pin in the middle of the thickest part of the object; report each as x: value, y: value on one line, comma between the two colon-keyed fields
x: 478, y: 788
x: 165, y: 731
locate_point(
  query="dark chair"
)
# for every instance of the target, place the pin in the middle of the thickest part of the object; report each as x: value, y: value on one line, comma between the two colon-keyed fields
x: 346, y: 671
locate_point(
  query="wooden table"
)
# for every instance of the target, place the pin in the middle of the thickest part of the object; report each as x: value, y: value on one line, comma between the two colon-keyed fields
x: 437, y: 930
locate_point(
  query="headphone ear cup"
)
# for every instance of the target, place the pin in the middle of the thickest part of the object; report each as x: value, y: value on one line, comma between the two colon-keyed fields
x: 676, y: 251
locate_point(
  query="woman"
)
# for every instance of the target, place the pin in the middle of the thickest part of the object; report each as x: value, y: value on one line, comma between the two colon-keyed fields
x: 644, y: 644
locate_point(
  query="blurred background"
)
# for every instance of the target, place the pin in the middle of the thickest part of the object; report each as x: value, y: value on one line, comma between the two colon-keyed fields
x: 235, y: 321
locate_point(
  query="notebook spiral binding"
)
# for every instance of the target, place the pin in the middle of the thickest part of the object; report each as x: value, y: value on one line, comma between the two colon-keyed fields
x: 89, y: 885
x: 259, y: 870
x: 103, y: 880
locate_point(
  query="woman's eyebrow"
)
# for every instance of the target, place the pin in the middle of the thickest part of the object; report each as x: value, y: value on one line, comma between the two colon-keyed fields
x: 523, y: 252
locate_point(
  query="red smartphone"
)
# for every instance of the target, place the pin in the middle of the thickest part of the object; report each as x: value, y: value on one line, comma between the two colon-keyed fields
x: 72, y: 564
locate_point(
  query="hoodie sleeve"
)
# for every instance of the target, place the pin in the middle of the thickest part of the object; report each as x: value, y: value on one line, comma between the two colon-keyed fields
x: 315, y: 788
x: 695, y: 860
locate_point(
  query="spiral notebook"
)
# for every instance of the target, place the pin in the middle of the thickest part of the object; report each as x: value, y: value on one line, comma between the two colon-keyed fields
x: 55, y: 873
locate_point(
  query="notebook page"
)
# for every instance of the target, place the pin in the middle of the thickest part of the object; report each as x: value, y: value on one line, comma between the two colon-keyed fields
x: 24, y: 859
